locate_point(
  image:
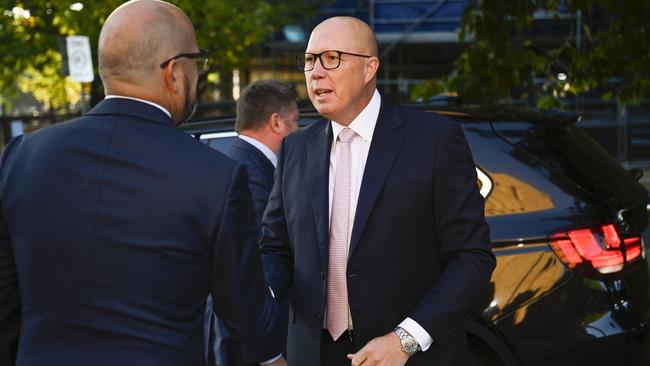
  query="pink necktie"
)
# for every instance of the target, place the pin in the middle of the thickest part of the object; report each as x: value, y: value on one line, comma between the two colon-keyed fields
x: 337, y: 287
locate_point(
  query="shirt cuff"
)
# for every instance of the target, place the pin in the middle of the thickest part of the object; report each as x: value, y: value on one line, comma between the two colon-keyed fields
x: 416, y: 331
x: 271, y: 360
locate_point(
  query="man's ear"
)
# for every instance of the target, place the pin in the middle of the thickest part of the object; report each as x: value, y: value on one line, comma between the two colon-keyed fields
x: 275, y: 121
x: 171, y: 81
x: 372, y: 65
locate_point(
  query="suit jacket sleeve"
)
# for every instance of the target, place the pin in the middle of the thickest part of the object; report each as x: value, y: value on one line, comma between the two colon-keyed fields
x: 260, y: 188
x: 241, y: 297
x: 277, y: 255
x: 9, y: 292
x: 463, y: 233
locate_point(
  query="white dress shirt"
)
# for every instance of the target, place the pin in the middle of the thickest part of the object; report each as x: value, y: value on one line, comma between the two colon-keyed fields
x: 262, y: 148
x: 143, y: 101
x: 364, y: 126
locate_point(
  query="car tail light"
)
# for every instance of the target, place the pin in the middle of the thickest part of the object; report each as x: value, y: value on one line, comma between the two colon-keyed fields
x: 599, y: 249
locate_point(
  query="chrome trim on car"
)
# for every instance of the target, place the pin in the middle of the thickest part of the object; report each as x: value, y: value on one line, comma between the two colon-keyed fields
x: 216, y: 135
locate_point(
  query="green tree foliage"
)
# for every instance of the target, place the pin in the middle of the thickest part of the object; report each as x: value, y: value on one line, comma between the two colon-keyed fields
x: 30, y: 34
x: 505, y: 57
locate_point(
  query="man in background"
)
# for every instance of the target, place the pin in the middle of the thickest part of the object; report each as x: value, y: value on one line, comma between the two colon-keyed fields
x: 115, y: 227
x: 266, y: 113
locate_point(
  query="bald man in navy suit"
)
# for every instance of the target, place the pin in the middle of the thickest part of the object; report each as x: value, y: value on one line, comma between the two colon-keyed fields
x: 115, y: 227
x: 375, y: 223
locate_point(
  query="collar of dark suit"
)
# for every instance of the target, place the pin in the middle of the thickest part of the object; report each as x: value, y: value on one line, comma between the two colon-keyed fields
x: 388, y: 121
x: 241, y: 144
x: 389, y: 117
x: 131, y: 108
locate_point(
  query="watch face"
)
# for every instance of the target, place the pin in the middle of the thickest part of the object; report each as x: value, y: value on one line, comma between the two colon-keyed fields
x: 410, y: 345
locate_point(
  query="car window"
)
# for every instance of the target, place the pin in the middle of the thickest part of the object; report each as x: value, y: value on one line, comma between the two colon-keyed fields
x: 219, y: 141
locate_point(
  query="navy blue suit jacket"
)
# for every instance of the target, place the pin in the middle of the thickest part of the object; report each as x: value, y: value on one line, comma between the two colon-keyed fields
x: 114, y: 228
x: 420, y: 246
x: 260, y: 172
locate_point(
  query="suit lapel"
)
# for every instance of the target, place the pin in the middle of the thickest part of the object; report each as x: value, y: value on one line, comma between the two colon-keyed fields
x: 386, y: 143
x: 318, y: 158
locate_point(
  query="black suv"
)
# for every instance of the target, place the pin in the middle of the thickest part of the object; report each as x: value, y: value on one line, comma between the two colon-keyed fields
x: 572, y: 284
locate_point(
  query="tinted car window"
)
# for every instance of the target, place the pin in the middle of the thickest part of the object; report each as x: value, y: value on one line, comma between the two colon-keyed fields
x: 219, y: 141
x: 569, y: 151
x: 520, y: 194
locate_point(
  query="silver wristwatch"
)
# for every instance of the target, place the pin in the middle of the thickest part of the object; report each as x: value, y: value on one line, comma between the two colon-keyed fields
x: 409, y: 345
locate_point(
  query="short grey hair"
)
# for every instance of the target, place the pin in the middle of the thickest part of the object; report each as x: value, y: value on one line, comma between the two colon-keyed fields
x: 259, y: 100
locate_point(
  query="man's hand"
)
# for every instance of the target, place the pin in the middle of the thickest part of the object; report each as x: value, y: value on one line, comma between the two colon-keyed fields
x: 279, y: 362
x: 381, y: 351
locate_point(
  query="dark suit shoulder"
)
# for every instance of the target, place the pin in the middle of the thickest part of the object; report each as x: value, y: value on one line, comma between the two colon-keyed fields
x: 255, y: 161
x: 423, y: 119
x: 128, y: 137
x: 242, y: 151
x: 65, y: 127
x: 317, y: 128
x: 199, y: 161
x: 211, y: 155
x: 299, y: 141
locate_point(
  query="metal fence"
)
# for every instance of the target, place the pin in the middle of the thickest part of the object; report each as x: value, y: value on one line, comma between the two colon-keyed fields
x: 13, y: 126
x: 624, y: 130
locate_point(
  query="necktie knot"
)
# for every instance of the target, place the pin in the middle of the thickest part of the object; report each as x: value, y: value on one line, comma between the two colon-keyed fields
x: 346, y: 135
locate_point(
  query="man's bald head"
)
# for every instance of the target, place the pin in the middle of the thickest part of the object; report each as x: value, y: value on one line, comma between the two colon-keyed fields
x: 137, y: 37
x: 341, y: 91
x: 357, y: 34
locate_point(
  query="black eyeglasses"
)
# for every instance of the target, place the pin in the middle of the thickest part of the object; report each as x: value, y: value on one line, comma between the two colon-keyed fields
x: 201, y: 57
x: 330, y: 59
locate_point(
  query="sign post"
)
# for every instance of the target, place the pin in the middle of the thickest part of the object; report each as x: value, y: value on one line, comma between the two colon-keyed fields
x: 80, y: 64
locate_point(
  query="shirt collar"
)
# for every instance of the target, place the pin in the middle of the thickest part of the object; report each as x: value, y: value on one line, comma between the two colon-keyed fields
x: 261, y: 147
x: 143, y: 101
x: 364, y: 124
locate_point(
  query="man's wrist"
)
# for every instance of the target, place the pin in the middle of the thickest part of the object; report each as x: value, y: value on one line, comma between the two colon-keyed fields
x: 410, y: 345
x: 420, y: 334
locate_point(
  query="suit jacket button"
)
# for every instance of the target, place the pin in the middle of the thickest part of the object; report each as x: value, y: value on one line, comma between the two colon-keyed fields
x: 322, y: 275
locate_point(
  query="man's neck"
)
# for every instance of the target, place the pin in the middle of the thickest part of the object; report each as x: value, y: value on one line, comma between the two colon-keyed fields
x: 110, y: 96
x: 121, y: 89
x: 358, y: 108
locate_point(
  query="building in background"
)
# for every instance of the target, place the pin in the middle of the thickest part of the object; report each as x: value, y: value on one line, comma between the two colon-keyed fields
x: 418, y: 41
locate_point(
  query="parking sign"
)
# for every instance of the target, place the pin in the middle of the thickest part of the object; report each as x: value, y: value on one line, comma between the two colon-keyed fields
x: 80, y: 62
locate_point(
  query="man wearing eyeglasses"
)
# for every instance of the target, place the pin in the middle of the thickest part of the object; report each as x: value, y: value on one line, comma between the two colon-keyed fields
x: 115, y: 227
x: 375, y: 223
